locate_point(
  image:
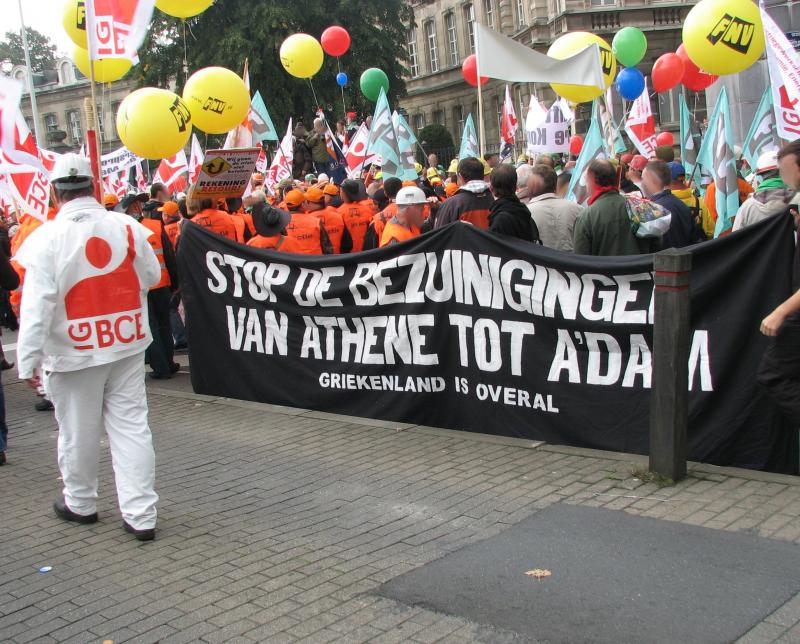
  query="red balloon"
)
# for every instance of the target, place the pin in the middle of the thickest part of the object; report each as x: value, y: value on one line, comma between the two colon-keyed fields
x: 335, y: 41
x: 575, y: 145
x: 668, y: 72
x: 665, y: 138
x: 693, y: 78
x: 469, y: 69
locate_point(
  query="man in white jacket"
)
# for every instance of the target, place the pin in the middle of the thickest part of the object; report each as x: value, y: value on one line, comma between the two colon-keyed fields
x: 83, y: 334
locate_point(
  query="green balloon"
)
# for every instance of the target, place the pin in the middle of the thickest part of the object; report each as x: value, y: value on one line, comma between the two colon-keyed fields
x: 629, y: 46
x: 371, y: 82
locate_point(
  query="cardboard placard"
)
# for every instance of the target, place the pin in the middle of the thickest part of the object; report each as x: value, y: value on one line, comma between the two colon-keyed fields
x: 226, y: 173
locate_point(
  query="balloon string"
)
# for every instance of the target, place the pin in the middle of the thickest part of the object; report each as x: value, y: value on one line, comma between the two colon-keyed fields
x: 185, y: 57
x: 311, y: 85
x: 341, y: 87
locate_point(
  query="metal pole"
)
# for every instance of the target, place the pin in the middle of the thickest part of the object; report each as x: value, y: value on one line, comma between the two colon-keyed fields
x: 31, y: 91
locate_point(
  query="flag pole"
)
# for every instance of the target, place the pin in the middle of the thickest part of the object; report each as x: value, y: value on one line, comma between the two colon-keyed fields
x: 31, y: 90
x: 482, y: 137
x: 90, y: 33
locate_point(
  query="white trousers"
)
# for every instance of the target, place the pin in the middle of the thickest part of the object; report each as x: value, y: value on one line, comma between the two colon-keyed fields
x: 110, y: 397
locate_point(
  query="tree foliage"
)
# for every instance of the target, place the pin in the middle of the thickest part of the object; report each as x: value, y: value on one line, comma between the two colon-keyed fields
x: 230, y: 31
x: 42, y: 51
x: 436, y: 137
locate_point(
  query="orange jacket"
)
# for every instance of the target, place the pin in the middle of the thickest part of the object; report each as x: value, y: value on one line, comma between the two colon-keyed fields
x: 216, y: 221
x: 27, y: 224
x: 173, y: 230
x: 306, y: 231
x: 277, y: 242
x: 357, y: 217
x: 333, y: 223
x: 154, y: 226
x: 745, y: 189
x: 394, y: 233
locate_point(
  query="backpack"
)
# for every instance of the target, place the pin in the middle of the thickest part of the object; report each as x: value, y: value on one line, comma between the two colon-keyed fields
x: 647, y: 218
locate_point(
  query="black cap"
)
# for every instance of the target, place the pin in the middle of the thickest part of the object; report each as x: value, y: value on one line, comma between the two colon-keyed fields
x: 268, y: 220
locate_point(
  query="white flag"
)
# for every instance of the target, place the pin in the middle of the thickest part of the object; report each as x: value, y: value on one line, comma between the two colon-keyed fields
x: 115, y: 28
x: 170, y: 170
x: 281, y: 167
x: 641, y: 126
x: 357, y: 154
x: 784, y: 71
x: 195, y: 159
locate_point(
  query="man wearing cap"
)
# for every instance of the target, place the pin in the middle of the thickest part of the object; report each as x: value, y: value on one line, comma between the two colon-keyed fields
x: 171, y: 216
x: 330, y: 219
x: 132, y: 204
x: 406, y: 223
x: 270, y: 224
x: 683, y: 229
x: 305, y: 229
x: 691, y: 197
x: 356, y: 213
x: 771, y: 196
x: 110, y: 201
x: 332, y: 198
x: 473, y: 199
x: 372, y: 239
x: 83, y: 333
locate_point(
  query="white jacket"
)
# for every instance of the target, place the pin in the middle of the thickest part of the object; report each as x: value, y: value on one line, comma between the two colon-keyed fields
x: 84, y: 302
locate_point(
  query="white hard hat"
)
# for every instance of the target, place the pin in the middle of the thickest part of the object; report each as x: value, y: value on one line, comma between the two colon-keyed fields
x: 766, y: 162
x: 72, y: 172
x: 409, y: 196
x: 322, y: 178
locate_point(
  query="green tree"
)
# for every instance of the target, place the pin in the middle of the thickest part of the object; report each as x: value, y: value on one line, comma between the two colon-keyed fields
x: 42, y: 51
x: 230, y: 31
x: 435, y: 138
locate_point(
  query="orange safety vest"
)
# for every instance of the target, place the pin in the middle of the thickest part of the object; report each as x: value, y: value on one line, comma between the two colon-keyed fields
x: 216, y: 221
x: 238, y: 225
x: 304, y: 229
x: 173, y: 230
x: 357, y: 217
x: 280, y: 243
x: 379, y: 220
x: 154, y: 226
x: 333, y: 223
x: 394, y: 232
x: 371, y: 205
x: 27, y: 224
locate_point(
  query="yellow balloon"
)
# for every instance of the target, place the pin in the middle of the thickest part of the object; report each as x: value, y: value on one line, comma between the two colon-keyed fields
x: 153, y: 123
x: 106, y: 70
x: 217, y: 98
x: 74, y: 21
x: 724, y: 36
x: 569, y: 45
x: 183, y: 8
x: 301, y: 55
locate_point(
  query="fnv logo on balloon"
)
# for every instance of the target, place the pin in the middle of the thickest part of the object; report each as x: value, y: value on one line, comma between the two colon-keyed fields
x: 733, y: 32
x: 181, y: 113
x: 215, y: 105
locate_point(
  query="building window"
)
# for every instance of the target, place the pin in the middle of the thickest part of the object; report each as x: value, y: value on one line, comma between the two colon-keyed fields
x: 458, y: 121
x: 439, y: 117
x: 488, y: 11
x: 419, y: 122
x: 452, y: 38
x: 412, y: 52
x: 51, y: 122
x: 603, y: 3
x: 74, y: 124
x: 668, y: 107
x: 520, y: 10
x: 430, y: 41
x: 100, y: 123
x: 469, y: 18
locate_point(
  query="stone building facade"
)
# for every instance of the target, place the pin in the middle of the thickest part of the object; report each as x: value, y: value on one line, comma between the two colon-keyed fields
x: 442, y: 38
x: 60, y: 97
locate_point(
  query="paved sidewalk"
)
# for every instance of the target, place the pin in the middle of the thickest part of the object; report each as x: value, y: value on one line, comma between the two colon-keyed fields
x: 277, y: 524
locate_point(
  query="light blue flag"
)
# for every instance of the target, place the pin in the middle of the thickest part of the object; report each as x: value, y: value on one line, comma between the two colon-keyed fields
x: 688, y: 147
x: 716, y: 156
x: 762, y: 136
x: 383, y: 140
x: 594, y: 147
x: 469, y: 141
x: 405, y: 135
x: 263, y: 128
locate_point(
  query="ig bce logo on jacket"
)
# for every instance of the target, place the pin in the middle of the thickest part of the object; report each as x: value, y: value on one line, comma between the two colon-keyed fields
x: 105, y: 310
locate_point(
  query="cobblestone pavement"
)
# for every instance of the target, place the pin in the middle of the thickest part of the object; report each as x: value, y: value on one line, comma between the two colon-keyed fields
x: 276, y: 524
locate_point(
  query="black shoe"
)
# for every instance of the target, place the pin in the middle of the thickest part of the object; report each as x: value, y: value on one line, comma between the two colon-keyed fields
x: 148, y: 534
x: 159, y: 376
x: 2, y: 458
x: 5, y: 365
x: 175, y: 368
x: 63, y: 512
x: 43, y: 405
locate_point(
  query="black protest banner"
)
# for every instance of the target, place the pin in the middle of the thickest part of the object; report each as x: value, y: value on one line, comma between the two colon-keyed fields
x: 471, y: 331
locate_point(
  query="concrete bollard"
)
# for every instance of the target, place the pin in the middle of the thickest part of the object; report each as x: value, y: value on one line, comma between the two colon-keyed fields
x: 669, y: 397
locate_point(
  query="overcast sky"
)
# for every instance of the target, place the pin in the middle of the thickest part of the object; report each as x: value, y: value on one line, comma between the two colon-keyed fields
x: 42, y: 15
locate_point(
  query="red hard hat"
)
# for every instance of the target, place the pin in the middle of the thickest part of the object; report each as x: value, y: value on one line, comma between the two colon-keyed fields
x: 638, y: 163
x: 626, y: 158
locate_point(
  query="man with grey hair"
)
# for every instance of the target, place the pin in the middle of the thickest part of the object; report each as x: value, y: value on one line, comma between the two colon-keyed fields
x: 319, y: 148
x: 555, y: 217
x: 524, y: 173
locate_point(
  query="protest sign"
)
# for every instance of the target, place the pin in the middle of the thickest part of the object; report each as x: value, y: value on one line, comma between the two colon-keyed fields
x: 226, y: 173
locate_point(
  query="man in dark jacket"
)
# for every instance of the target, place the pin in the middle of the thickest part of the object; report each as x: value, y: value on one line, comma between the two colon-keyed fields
x: 301, y: 161
x: 604, y: 227
x: 508, y: 215
x: 683, y: 231
x: 472, y: 201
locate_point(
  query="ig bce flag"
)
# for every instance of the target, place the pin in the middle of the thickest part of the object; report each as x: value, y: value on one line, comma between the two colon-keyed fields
x: 116, y: 28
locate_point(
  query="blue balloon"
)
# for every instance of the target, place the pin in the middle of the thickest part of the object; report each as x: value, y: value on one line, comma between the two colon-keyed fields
x: 630, y: 83
x: 341, y: 79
